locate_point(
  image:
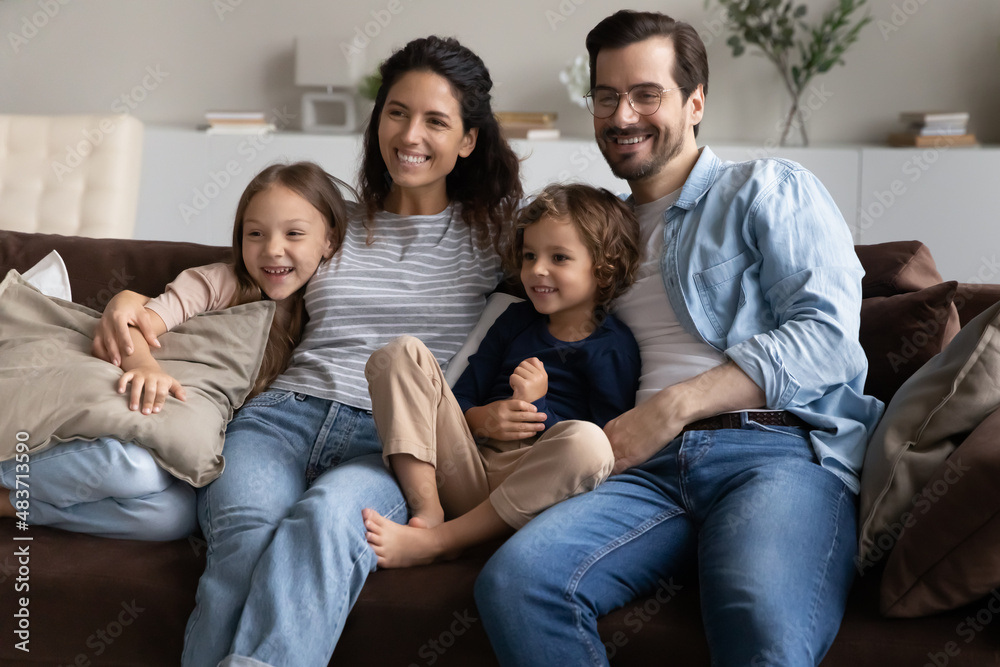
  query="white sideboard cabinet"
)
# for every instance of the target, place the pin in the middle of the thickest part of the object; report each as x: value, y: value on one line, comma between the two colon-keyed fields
x: 947, y: 198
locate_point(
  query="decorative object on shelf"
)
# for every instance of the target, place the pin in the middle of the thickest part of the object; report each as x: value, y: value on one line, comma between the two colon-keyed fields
x: 935, y: 122
x: 935, y: 129
x: 320, y: 62
x: 576, y: 77
x: 237, y: 122
x: 534, y: 125
x: 773, y: 26
x: 368, y: 88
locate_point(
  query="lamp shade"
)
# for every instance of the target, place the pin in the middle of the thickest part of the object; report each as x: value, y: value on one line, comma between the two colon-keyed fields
x: 320, y: 61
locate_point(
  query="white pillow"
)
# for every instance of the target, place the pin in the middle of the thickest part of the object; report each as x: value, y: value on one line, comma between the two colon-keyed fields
x: 50, y: 277
x: 495, y: 305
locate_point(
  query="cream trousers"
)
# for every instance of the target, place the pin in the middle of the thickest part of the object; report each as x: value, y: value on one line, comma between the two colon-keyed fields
x: 416, y: 413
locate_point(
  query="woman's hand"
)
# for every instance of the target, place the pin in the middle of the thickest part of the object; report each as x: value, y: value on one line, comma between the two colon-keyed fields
x: 112, y: 338
x: 509, y: 419
x: 150, y: 386
x: 529, y: 380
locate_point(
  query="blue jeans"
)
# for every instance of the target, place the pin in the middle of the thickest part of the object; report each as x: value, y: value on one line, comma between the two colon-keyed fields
x: 773, y: 534
x: 107, y: 488
x: 286, y: 552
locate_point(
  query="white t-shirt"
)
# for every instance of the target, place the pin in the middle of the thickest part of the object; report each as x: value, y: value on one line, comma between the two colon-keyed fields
x: 669, y: 353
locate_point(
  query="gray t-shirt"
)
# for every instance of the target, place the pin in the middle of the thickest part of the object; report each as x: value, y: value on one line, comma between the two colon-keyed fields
x: 423, y: 275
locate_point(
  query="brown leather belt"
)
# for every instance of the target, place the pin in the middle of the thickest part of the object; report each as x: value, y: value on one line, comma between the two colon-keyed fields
x: 734, y: 420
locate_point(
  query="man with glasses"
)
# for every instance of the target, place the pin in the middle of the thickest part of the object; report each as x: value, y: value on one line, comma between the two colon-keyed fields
x: 743, y: 453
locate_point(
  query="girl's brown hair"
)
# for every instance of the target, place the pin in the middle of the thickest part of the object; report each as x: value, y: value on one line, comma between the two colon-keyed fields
x: 312, y: 183
x: 606, y: 224
x: 486, y: 183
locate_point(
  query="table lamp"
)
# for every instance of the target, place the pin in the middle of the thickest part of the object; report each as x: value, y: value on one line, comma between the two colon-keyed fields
x: 319, y: 61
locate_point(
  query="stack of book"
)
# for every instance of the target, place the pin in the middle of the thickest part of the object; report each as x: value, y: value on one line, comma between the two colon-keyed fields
x: 934, y: 129
x: 528, y: 124
x: 237, y: 122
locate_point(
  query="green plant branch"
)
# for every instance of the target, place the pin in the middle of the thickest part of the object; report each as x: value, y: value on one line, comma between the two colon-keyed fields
x: 774, y: 27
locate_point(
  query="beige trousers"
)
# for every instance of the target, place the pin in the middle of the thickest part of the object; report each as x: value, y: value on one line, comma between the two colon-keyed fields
x: 416, y: 413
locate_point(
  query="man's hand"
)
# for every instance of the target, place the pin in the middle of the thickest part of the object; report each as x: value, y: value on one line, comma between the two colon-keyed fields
x: 510, y: 419
x: 112, y: 339
x: 641, y: 432
x: 150, y: 385
x: 529, y: 380
x: 644, y: 430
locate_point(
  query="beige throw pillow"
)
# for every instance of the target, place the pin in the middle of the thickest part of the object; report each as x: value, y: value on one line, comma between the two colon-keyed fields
x: 928, y: 418
x: 53, y: 390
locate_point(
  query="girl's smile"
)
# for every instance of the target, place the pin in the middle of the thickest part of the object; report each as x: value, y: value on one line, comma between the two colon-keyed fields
x: 284, y: 239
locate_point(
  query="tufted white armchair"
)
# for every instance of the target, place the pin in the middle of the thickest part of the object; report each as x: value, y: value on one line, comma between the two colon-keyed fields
x: 71, y: 175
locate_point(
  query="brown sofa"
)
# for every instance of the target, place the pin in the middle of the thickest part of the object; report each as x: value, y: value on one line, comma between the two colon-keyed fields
x: 106, y: 602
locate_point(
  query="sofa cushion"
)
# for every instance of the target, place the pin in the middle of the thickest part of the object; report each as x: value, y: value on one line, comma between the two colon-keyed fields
x: 928, y: 418
x: 900, y: 333
x: 896, y: 267
x: 949, y: 555
x: 55, y: 391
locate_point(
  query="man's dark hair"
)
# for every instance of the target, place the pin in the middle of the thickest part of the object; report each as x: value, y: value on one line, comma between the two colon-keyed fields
x: 627, y: 27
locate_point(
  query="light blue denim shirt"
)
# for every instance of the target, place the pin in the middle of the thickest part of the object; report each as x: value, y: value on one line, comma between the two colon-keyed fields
x: 759, y: 263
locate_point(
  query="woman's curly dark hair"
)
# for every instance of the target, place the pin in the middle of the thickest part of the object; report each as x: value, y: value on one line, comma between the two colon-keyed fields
x: 606, y: 224
x: 487, y: 183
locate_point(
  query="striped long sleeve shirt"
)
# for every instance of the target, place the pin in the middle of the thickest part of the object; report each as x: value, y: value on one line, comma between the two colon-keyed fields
x: 424, y: 275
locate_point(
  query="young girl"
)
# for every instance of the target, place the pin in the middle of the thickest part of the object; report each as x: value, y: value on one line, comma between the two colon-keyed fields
x: 289, y: 219
x: 547, y: 376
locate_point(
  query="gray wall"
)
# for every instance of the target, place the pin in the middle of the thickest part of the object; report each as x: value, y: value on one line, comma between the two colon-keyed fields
x: 170, y: 60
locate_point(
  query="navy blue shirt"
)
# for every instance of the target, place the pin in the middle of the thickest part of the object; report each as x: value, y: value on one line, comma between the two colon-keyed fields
x: 594, y: 379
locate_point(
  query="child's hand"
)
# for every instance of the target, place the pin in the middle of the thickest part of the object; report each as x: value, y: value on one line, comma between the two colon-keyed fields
x: 529, y: 380
x: 111, y: 337
x: 151, y: 385
x: 510, y: 419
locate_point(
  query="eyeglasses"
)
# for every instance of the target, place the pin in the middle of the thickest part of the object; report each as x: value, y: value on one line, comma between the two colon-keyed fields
x: 644, y: 99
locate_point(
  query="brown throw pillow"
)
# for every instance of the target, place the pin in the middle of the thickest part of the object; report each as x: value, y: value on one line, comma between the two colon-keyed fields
x: 896, y: 267
x: 900, y: 333
x: 949, y: 555
x: 53, y: 389
x: 931, y: 414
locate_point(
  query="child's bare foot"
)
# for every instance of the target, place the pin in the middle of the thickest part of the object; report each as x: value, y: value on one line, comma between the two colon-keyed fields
x: 397, y: 545
x: 423, y: 521
x: 6, y: 508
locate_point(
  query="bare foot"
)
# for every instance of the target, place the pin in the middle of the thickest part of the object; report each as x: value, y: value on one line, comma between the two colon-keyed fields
x: 423, y: 521
x: 397, y: 545
x: 6, y: 508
